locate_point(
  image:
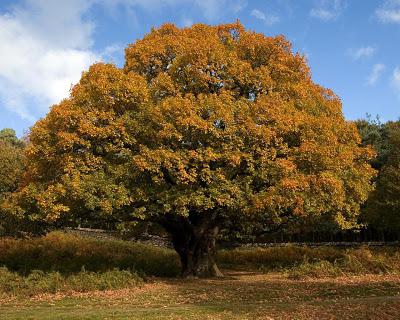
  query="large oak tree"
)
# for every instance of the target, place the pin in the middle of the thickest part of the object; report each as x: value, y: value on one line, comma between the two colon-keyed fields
x: 202, y: 126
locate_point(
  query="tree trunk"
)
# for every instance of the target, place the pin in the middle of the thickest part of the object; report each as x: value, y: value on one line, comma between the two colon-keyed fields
x: 197, y: 253
x: 195, y: 242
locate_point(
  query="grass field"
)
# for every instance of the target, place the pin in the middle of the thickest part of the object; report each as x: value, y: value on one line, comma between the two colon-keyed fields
x: 239, y: 295
x: 61, y: 276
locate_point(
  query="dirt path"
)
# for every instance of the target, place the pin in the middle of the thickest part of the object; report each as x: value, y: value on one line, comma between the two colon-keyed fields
x: 240, y: 295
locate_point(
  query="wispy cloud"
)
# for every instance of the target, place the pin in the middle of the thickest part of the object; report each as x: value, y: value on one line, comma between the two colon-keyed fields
x: 268, y: 19
x: 396, y: 79
x: 306, y: 53
x: 389, y: 12
x: 375, y: 74
x: 212, y: 9
x: 187, y: 22
x: 114, y: 53
x: 327, y: 10
x: 363, y: 52
x: 239, y: 5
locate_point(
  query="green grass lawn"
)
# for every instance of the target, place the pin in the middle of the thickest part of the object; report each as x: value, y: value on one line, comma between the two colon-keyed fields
x: 239, y: 295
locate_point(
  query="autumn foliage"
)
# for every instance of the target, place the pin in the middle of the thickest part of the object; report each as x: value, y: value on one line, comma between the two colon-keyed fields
x: 201, y: 125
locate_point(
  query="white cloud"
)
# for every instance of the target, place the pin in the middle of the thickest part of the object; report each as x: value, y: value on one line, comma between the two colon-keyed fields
x: 375, y: 74
x: 45, y: 45
x: 363, y: 52
x: 327, y: 10
x: 396, y: 79
x: 389, y: 12
x: 268, y: 19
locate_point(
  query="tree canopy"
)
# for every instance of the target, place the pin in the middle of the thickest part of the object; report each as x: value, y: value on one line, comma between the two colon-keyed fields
x: 376, y: 134
x: 11, y: 160
x: 11, y: 170
x: 382, y: 209
x: 201, y: 126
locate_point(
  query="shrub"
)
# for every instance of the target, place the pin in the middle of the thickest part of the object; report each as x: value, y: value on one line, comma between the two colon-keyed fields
x: 316, y: 269
x: 364, y: 260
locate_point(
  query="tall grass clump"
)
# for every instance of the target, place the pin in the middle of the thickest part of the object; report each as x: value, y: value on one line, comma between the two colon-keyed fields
x: 66, y: 254
x: 352, y: 262
x: 316, y: 269
x: 314, y: 262
x: 38, y: 282
x: 275, y: 257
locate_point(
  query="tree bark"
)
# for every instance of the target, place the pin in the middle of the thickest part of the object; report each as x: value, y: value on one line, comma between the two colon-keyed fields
x: 195, y: 242
x: 197, y: 254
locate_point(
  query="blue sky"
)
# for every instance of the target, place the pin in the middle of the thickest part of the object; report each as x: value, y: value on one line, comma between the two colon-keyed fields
x: 353, y: 46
